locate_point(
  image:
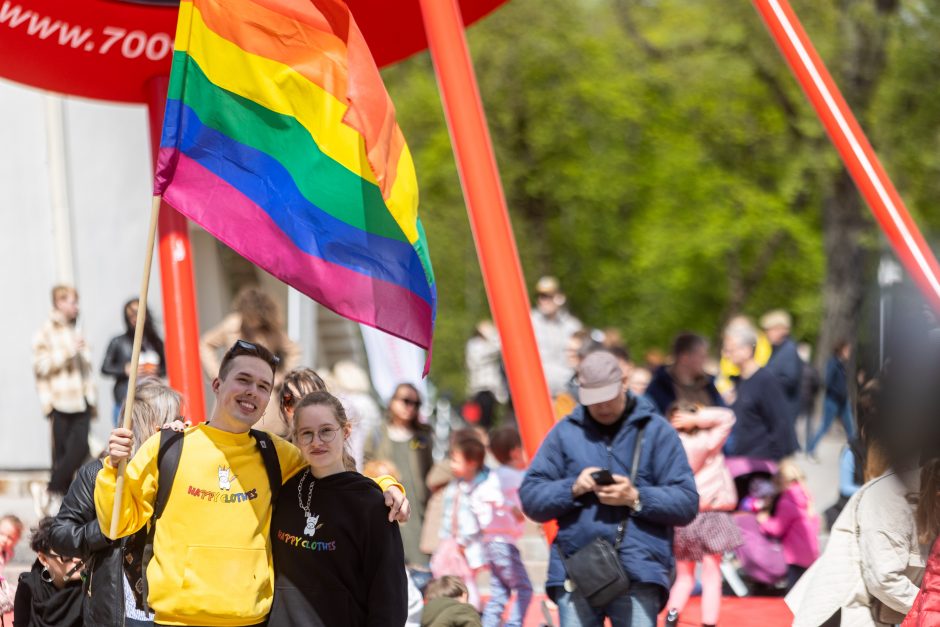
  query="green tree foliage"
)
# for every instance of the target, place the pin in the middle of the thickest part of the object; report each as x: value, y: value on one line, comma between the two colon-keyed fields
x: 657, y: 157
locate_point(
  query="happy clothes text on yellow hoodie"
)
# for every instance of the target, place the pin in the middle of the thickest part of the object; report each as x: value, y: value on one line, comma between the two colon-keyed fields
x: 212, y: 553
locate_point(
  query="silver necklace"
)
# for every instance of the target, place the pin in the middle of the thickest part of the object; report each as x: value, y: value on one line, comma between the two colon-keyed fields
x: 300, y: 493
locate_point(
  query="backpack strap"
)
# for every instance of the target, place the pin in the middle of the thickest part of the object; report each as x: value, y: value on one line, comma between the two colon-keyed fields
x: 271, y: 463
x: 168, y: 461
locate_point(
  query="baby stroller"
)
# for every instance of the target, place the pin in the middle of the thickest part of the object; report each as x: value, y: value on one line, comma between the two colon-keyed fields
x: 760, y: 559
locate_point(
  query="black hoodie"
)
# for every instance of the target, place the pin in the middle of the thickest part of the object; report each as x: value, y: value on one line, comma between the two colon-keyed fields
x: 349, y: 569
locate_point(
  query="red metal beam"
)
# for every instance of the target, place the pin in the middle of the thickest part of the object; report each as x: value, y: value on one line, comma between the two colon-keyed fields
x: 489, y: 219
x: 849, y: 139
x: 176, y: 280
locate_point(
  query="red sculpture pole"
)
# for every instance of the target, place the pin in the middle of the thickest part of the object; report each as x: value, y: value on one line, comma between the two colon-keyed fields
x: 489, y: 219
x: 849, y: 139
x: 176, y: 277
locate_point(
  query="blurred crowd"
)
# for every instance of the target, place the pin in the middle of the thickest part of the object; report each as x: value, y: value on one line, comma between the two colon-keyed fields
x: 684, y: 473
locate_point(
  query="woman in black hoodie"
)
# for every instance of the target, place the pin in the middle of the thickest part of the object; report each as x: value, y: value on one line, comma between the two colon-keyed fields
x: 337, y: 559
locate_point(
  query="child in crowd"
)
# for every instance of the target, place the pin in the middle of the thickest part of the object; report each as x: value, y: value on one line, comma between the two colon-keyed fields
x: 794, y: 521
x: 381, y: 466
x: 503, y: 523
x: 462, y: 503
x: 11, y: 530
x: 703, y: 432
x: 446, y: 604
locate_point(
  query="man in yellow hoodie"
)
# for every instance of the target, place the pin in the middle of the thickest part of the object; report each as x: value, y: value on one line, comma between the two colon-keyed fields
x: 212, y: 562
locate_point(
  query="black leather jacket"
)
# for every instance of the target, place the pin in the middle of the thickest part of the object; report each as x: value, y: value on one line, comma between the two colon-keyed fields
x: 119, y: 353
x: 75, y: 532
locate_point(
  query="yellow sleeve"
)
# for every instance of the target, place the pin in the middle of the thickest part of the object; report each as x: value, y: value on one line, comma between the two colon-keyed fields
x: 140, y: 490
x: 387, y: 481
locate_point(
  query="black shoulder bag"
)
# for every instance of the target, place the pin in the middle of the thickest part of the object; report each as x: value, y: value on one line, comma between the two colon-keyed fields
x: 595, y: 569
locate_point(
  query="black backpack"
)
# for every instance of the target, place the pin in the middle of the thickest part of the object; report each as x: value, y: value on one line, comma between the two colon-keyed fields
x: 168, y: 460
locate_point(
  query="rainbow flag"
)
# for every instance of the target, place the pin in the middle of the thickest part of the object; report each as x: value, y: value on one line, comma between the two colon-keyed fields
x: 280, y: 139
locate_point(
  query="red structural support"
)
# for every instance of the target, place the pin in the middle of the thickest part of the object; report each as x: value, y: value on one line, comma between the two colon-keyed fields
x: 176, y: 279
x: 489, y: 219
x: 853, y: 146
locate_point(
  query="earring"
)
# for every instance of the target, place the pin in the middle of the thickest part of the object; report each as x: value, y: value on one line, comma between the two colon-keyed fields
x: 44, y: 574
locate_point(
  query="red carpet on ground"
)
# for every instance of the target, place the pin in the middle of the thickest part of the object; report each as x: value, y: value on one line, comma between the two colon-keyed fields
x: 746, y: 612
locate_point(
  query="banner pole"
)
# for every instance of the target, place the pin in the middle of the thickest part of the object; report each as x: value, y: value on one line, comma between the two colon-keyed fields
x: 489, y: 219
x: 135, y: 359
x: 850, y: 141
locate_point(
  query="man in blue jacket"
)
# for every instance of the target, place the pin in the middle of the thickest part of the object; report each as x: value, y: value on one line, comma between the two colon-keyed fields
x: 600, y: 434
x: 785, y: 364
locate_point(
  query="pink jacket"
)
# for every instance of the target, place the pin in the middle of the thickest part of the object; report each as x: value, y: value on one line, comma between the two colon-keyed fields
x: 703, y: 448
x: 796, y: 526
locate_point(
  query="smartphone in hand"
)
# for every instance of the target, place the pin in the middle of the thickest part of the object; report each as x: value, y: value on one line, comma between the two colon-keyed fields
x: 602, y: 477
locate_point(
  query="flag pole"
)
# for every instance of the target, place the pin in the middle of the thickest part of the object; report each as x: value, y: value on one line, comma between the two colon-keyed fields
x: 489, y: 219
x: 135, y: 359
x: 180, y: 317
x: 850, y: 141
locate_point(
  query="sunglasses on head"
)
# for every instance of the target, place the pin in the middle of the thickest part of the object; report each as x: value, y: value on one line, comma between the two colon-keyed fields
x: 288, y: 398
x: 244, y: 347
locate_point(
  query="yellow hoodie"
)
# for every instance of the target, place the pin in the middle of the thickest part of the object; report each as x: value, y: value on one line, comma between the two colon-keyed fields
x: 212, y: 560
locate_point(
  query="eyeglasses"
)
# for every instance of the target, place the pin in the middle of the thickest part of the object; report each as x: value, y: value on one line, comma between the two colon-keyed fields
x: 244, y: 347
x: 326, y: 435
x: 61, y: 558
x: 410, y: 402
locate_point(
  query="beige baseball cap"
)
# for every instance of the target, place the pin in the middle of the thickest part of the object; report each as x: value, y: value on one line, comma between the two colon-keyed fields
x: 776, y: 318
x: 600, y: 378
x: 547, y: 285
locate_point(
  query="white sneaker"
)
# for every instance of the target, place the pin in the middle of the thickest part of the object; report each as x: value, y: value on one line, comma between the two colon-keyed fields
x: 40, y: 496
x: 55, y: 502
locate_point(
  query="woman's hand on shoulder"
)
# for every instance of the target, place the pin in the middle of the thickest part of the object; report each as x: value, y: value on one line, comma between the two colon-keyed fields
x: 399, y: 509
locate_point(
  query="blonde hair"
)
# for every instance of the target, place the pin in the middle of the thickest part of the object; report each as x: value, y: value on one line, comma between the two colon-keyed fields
x: 155, y: 405
x: 789, y: 472
x: 61, y: 291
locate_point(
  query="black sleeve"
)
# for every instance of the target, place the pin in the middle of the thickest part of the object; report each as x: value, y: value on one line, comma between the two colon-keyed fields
x: 162, y: 353
x: 113, y: 365
x: 773, y: 406
x: 75, y: 530
x: 22, y: 603
x: 789, y: 368
x: 384, y: 557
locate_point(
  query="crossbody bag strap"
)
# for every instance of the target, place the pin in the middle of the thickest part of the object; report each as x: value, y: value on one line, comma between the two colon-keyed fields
x: 453, y: 517
x: 637, y: 449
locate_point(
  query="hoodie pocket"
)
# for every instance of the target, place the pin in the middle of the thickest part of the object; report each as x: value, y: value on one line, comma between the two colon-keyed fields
x: 225, y: 582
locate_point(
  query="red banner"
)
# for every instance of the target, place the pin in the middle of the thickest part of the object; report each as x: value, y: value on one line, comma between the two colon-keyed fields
x: 109, y: 50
